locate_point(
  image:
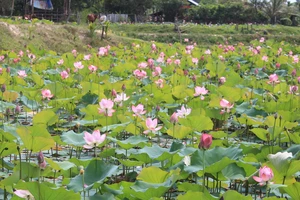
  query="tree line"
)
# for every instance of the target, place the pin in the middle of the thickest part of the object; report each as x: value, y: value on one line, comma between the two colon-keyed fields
x: 214, y: 11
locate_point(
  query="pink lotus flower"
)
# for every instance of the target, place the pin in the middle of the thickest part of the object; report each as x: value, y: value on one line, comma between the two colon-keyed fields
x: 295, y: 59
x: 31, y: 56
x: 152, y: 126
x: 298, y: 79
x: 106, y: 106
x: 294, y: 72
x: 169, y: 61
x: 47, y: 94
x: 262, y: 39
x: 60, y: 62
x: 162, y: 54
x: 21, y: 54
x: 157, y: 71
x: 102, y: 51
x: 120, y: 99
x: 265, y: 175
x: 94, y: 139
x: 140, y: 74
x: 183, y: 112
x: 222, y: 80
x: 226, y: 106
x: 177, y: 62
x: 195, y: 61
x: 174, y: 118
x: 138, y: 110
x: 2, y: 58
x: 74, y: 52
x: 22, y: 74
x: 153, y: 47
x: 87, y: 57
x: 142, y: 65
x: 205, y: 141
x: 273, y: 79
x: 293, y: 89
x: 265, y: 58
x: 113, y: 93
x: 277, y: 65
x: 64, y: 74
x: 92, y: 68
x: 186, y: 40
x: 160, y: 60
x: 150, y: 62
x: 200, y: 91
x: 159, y: 83
x: 78, y: 65
x: 207, y: 52
x: 41, y: 160
x: 25, y: 194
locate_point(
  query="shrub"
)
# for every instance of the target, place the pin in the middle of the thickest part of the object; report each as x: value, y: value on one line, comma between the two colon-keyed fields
x: 286, y: 21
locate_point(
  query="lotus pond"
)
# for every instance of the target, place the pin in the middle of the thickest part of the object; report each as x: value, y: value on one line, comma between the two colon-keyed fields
x: 151, y: 121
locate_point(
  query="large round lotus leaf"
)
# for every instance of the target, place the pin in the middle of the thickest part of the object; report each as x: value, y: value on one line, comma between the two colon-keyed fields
x: 232, y: 194
x: 47, y: 117
x: 131, y: 142
x: 179, y: 131
x: 42, y: 191
x: 293, y: 190
x: 72, y: 138
x: 64, y: 165
x: 196, y: 195
x: 197, y: 123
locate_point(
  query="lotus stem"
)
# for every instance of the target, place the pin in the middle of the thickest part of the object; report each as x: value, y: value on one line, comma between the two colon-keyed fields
x: 203, y: 179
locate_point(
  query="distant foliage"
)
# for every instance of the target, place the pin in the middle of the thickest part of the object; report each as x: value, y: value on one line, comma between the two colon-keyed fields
x: 286, y: 21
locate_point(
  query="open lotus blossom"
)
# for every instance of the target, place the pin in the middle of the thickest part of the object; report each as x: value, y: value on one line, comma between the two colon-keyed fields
x: 78, y: 65
x: 293, y: 89
x: 157, y: 71
x: 205, y: 141
x: 207, y: 52
x: 46, y: 94
x: 140, y: 74
x: 160, y: 83
x: 31, y: 56
x: 94, y: 139
x: 21, y: 53
x: 102, y: 51
x: 273, y: 79
x: 60, y: 62
x: 169, y: 61
x: 265, y: 58
x: 92, y: 68
x: 177, y: 62
x: 262, y: 39
x: 142, y: 65
x: 64, y: 74
x: 226, y: 106
x: 2, y: 58
x: 152, y: 126
x: 87, y: 57
x: 265, y: 175
x: 150, y: 62
x: 183, y: 112
x: 186, y: 39
x: 22, y: 74
x: 106, y: 107
x: 121, y: 98
x: 195, y: 61
x: 187, y: 160
x: 25, y: 194
x: 200, y: 91
x: 295, y: 59
x: 222, y: 80
x: 41, y: 160
x: 138, y: 110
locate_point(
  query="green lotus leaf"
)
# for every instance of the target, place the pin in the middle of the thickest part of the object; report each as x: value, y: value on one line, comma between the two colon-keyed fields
x: 131, y: 142
x: 195, y: 195
x: 47, y: 117
x: 293, y: 190
x: 233, y: 171
x: 10, y: 96
x: 31, y: 104
x: 64, y: 165
x: 261, y: 133
x: 105, y: 196
x: 131, y: 163
x: 232, y: 194
x: 43, y: 191
x: 179, y: 131
x: 197, y: 123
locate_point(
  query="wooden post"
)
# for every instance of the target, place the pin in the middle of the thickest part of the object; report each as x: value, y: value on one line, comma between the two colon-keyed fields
x: 12, y: 8
x: 32, y: 9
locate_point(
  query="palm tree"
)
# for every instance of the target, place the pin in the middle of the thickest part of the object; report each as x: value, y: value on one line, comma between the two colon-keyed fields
x: 272, y: 8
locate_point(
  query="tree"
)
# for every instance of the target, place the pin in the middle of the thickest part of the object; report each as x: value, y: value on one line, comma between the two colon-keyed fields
x: 272, y: 8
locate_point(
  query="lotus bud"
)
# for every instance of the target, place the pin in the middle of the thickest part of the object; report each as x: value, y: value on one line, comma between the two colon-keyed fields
x: 275, y: 115
x: 185, y: 72
x: 194, y: 78
x: 123, y: 87
x: 157, y: 108
x: 202, y: 58
x: 17, y: 109
x: 8, y: 70
x: 3, y: 88
x: 113, y: 93
x: 81, y: 170
x: 41, y: 160
x: 205, y: 141
x: 7, y: 112
x: 239, y: 66
x: 277, y: 65
x: 256, y: 71
x: 174, y: 118
x: 294, y: 72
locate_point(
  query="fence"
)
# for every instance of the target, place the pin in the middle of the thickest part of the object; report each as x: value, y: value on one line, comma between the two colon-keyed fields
x: 126, y: 18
